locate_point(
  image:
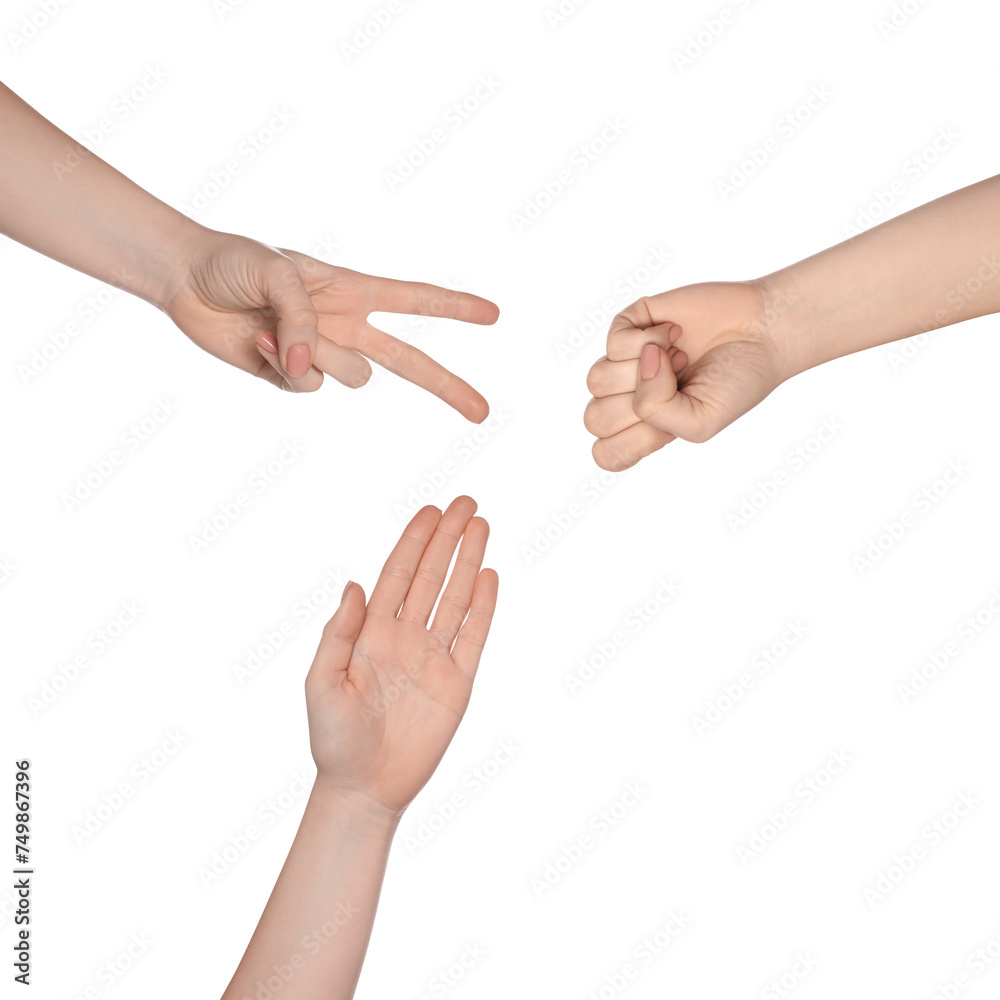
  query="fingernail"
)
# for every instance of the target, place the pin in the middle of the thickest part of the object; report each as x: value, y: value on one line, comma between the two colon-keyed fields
x: 268, y: 343
x: 297, y: 360
x: 347, y: 586
x: 649, y: 361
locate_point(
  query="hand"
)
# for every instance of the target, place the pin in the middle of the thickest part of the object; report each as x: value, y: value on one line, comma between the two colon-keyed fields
x: 289, y: 318
x: 683, y: 364
x: 386, y: 692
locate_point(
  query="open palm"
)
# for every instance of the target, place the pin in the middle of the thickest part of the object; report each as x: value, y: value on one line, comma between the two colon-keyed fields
x: 387, y: 691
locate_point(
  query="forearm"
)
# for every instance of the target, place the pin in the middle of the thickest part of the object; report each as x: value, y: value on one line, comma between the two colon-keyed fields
x: 934, y: 266
x: 314, y: 931
x: 63, y: 201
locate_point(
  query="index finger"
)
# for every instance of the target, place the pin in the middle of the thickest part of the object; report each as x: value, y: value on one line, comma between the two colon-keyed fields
x: 626, y: 340
x: 421, y: 299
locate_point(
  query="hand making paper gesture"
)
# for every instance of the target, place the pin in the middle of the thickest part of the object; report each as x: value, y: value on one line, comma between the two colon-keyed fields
x: 389, y: 686
x: 385, y: 694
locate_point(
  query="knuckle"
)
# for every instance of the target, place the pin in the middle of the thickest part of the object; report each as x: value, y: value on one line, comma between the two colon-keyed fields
x: 437, y: 301
x: 618, y: 347
x: 611, y: 347
x: 607, y: 457
x: 282, y: 272
x: 453, y: 607
x: 644, y: 409
x: 300, y: 315
x: 596, y: 380
x: 433, y: 579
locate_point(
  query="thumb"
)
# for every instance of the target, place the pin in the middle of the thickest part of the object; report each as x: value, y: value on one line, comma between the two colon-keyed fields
x: 658, y: 401
x: 296, y: 318
x: 339, y: 636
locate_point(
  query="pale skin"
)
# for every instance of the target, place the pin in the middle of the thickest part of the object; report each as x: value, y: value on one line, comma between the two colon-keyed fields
x: 389, y: 684
x: 385, y: 694
x: 277, y: 314
x: 688, y: 362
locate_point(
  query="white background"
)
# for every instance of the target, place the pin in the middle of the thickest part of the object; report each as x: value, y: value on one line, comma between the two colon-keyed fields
x: 902, y: 418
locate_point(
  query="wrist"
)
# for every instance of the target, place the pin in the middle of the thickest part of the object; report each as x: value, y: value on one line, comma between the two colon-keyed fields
x: 160, y: 269
x: 789, y: 320
x: 354, y: 810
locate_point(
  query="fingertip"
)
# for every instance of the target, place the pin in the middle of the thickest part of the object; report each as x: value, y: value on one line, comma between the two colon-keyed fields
x: 297, y: 360
x: 610, y: 458
x: 485, y: 593
x: 267, y: 343
x: 592, y: 418
x: 465, y: 504
x: 594, y: 376
x: 649, y: 361
x: 349, y: 616
x: 597, y: 451
x: 478, y: 410
x: 476, y: 309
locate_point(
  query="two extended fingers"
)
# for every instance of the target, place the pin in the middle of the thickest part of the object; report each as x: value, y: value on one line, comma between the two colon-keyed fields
x: 421, y: 299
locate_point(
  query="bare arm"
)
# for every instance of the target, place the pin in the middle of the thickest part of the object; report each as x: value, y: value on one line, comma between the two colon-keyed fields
x: 278, y: 314
x: 688, y: 362
x: 385, y: 695
x: 63, y: 201
x: 931, y: 267
x: 314, y: 932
